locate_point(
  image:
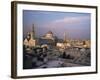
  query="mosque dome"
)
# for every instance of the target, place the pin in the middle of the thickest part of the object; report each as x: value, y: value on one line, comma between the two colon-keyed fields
x: 49, y: 32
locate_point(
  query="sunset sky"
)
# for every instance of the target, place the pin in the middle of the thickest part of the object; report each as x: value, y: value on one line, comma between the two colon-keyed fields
x: 76, y: 25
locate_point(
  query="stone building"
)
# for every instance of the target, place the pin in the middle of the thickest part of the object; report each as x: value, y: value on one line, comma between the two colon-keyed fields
x: 30, y: 40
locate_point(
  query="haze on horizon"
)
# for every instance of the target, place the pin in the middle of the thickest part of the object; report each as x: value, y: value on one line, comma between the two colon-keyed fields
x: 75, y: 25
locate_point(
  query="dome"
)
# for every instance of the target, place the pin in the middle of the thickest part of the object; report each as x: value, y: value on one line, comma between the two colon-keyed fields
x: 50, y: 32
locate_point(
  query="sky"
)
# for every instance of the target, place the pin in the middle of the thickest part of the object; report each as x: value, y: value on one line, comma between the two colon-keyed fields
x: 75, y: 25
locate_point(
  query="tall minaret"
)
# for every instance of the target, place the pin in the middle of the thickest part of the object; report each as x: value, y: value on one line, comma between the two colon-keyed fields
x: 65, y: 39
x: 33, y: 32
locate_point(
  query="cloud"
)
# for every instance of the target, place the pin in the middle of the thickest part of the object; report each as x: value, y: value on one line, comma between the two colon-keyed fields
x: 74, y: 26
x: 71, y: 20
x: 67, y: 22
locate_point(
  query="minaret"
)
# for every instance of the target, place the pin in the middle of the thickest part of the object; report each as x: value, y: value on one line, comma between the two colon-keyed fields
x: 65, y: 39
x: 33, y: 32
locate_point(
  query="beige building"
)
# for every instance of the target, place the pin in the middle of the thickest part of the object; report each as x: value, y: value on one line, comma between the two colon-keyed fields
x: 30, y: 43
x: 30, y: 39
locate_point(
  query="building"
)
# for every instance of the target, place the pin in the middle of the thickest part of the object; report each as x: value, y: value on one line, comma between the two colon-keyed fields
x: 48, y: 35
x: 30, y: 40
x: 48, y: 39
x: 86, y: 44
x: 64, y: 44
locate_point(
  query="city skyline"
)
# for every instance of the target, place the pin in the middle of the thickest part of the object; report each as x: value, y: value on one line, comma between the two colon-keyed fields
x: 75, y: 25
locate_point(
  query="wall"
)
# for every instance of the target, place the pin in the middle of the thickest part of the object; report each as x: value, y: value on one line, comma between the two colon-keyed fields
x: 5, y: 40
